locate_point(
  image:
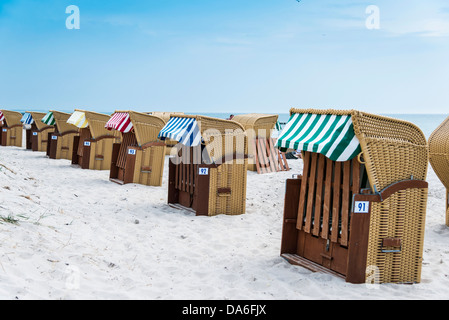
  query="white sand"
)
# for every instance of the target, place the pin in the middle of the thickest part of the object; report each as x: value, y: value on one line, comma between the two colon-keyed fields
x: 80, y: 236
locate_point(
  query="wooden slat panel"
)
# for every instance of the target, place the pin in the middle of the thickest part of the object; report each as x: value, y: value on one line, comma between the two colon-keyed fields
x: 180, y: 176
x: 271, y: 155
x: 283, y: 161
x: 311, y: 192
x: 302, y: 197
x: 319, y: 195
x: 184, y: 176
x: 336, y: 202
x: 128, y: 140
x: 192, y: 174
x: 345, y: 206
x: 256, y: 157
x: 84, y: 135
x: 176, y: 181
x: 289, y: 231
x: 327, y: 199
x: 262, y: 151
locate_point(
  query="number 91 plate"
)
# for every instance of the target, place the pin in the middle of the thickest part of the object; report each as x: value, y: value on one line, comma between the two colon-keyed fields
x: 361, y: 207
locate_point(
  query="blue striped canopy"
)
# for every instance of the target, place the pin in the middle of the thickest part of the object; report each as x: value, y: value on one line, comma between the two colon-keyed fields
x: 183, y: 130
x: 27, y: 118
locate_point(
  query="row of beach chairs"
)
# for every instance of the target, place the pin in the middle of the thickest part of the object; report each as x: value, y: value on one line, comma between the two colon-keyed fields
x: 356, y: 211
x: 133, y: 145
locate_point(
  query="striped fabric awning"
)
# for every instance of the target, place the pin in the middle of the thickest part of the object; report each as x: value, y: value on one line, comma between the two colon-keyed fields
x: 27, y: 118
x: 183, y: 130
x: 327, y: 134
x: 120, y: 121
x: 2, y: 117
x: 49, y: 119
x: 78, y: 119
x: 278, y: 126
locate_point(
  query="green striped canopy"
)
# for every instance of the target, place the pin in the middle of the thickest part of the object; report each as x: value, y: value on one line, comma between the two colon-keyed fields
x: 278, y: 126
x: 49, y: 119
x: 328, y: 134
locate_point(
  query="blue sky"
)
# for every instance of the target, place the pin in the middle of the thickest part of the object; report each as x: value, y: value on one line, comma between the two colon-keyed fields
x: 227, y: 56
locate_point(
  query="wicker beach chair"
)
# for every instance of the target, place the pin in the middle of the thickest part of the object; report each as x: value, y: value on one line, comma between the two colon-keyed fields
x: 140, y: 156
x: 264, y: 157
x: 60, y: 142
x: 208, y: 171
x: 358, y: 209
x: 92, y: 149
x: 11, y: 128
x: 439, y: 157
x: 36, y: 131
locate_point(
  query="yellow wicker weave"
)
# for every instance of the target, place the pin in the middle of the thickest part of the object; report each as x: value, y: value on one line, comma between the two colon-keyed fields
x: 234, y: 177
x: 439, y: 157
x: 61, y: 122
x: 392, y: 151
x: 231, y: 134
x: 12, y: 118
x: 256, y: 125
x: 260, y: 124
x: 97, y: 122
x: 146, y: 127
x: 400, y: 216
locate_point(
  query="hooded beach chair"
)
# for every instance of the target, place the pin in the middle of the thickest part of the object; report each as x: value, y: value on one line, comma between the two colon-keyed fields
x: 11, y: 128
x: 439, y: 157
x: 140, y: 156
x: 208, y: 174
x: 36, y: 131
x: 358, y: 209
x: 264, y: 157
x: 60, y: 142
x: 92, y: 149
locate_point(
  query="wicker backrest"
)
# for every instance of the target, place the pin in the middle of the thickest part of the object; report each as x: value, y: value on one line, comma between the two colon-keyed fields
x: 37, y: 117
x: 439, y: 152
x: 233, y: 139
x: 258, y: 124
x: 97, y: 122
x: 146, y: 127
x: 12, y: 118
x: 392, y: 149
x: 61, y: 122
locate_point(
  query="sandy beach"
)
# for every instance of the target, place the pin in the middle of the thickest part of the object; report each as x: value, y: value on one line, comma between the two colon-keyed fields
x: 70, y: 234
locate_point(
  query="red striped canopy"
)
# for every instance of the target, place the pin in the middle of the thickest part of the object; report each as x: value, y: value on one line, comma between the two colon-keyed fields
x: 2, y: 117
x: 120, y: 121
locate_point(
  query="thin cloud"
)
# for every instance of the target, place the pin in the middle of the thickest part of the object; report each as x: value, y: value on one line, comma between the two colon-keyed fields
x: 420, y: 18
